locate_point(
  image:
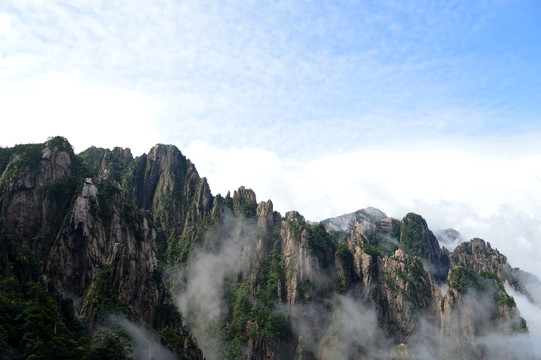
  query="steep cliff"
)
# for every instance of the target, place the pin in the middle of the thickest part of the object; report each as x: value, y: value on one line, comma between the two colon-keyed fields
x: 390, y: 274
x: 104, y: 233
x: 167, y: 185
x: 37, y: 184
x: 94, y: 246
x: 107, y: 242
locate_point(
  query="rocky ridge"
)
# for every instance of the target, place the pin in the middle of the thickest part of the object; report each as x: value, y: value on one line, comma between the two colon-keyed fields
x: 107, y: 224
x: 95, y: 246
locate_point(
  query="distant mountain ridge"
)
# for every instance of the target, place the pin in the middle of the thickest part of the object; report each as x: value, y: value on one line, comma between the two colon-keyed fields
x: 344, y: 222
x: 102, y: 232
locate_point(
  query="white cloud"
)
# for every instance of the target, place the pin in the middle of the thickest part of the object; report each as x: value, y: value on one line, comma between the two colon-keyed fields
x: 482, y: 192
x: 296, y: 78
x: 84, y: 112
x: 532, y: 313
x: 6, y: 28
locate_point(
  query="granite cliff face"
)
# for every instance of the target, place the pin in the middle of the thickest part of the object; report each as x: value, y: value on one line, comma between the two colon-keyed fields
x: 35, y: 183
x: 95, y: 246
x: 145, y: 236
x: 165, y: 184
x: 370, y: 292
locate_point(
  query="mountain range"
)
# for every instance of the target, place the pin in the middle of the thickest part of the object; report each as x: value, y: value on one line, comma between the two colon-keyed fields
x: 108, y: 256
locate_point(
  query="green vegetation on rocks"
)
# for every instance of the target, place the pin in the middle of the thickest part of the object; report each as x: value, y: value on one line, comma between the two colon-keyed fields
x: 103, y: 298
x: 344, y: 267
x: 413, y: 235
x: 102, y: 225
x: 322, y: 245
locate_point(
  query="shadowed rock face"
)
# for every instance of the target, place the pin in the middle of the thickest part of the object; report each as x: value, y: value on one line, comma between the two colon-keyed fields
x: 33, y: 201
x: 418, y: 240
x: 104, y: 233
x: 95, y: 246
x: 105, y: 224
x: 78, y: 240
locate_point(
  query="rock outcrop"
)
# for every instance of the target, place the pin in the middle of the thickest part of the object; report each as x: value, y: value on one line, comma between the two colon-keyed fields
x: 478, y: 256
x: 344, y: 222
x: 105, y: 224
x: 105, y: 234
x: 409, y: 291
x: 36, y: 186
x: 96, y: 247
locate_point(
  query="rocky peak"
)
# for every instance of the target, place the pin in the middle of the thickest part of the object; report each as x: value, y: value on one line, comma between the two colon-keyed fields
x: 244, y: 202
x: 106, y: 255
x: 161, y: 180
x: 56, y: 161
x: 167, y: 184
x: 115, y: 163
x: 59, y: 143
x: 122, y: 153
x: 373, y: 213
x: 294, y: 215
x: 159, y: 151
x: 417, y: 240
x: 35, y: 189
x: 265, y: 215
x: 36, y: 165
x: 344, y: 222
x: 476, y: 303
x: 415, y: 236
x: 479, y: 256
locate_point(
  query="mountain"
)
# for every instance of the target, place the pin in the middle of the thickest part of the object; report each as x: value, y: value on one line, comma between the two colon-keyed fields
x: 344, y: 222
x: 74, y: 249
x: 100, y: 252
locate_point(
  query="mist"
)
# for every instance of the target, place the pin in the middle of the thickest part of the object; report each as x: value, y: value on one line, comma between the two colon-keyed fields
x: 144, y: 342
x: 200, y: 285
x: 484, y: 190
x: 341, y: 326
x: 530, y: 309
x: 347, y: 328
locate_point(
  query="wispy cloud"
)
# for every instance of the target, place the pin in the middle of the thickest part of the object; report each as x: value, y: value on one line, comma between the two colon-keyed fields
x: 482, y: 190
x: 286, y: 76
x: 144, y: 343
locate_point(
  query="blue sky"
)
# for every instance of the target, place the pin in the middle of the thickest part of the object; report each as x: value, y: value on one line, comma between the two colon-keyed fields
x: 322, y: 106
x: 297, y: 78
